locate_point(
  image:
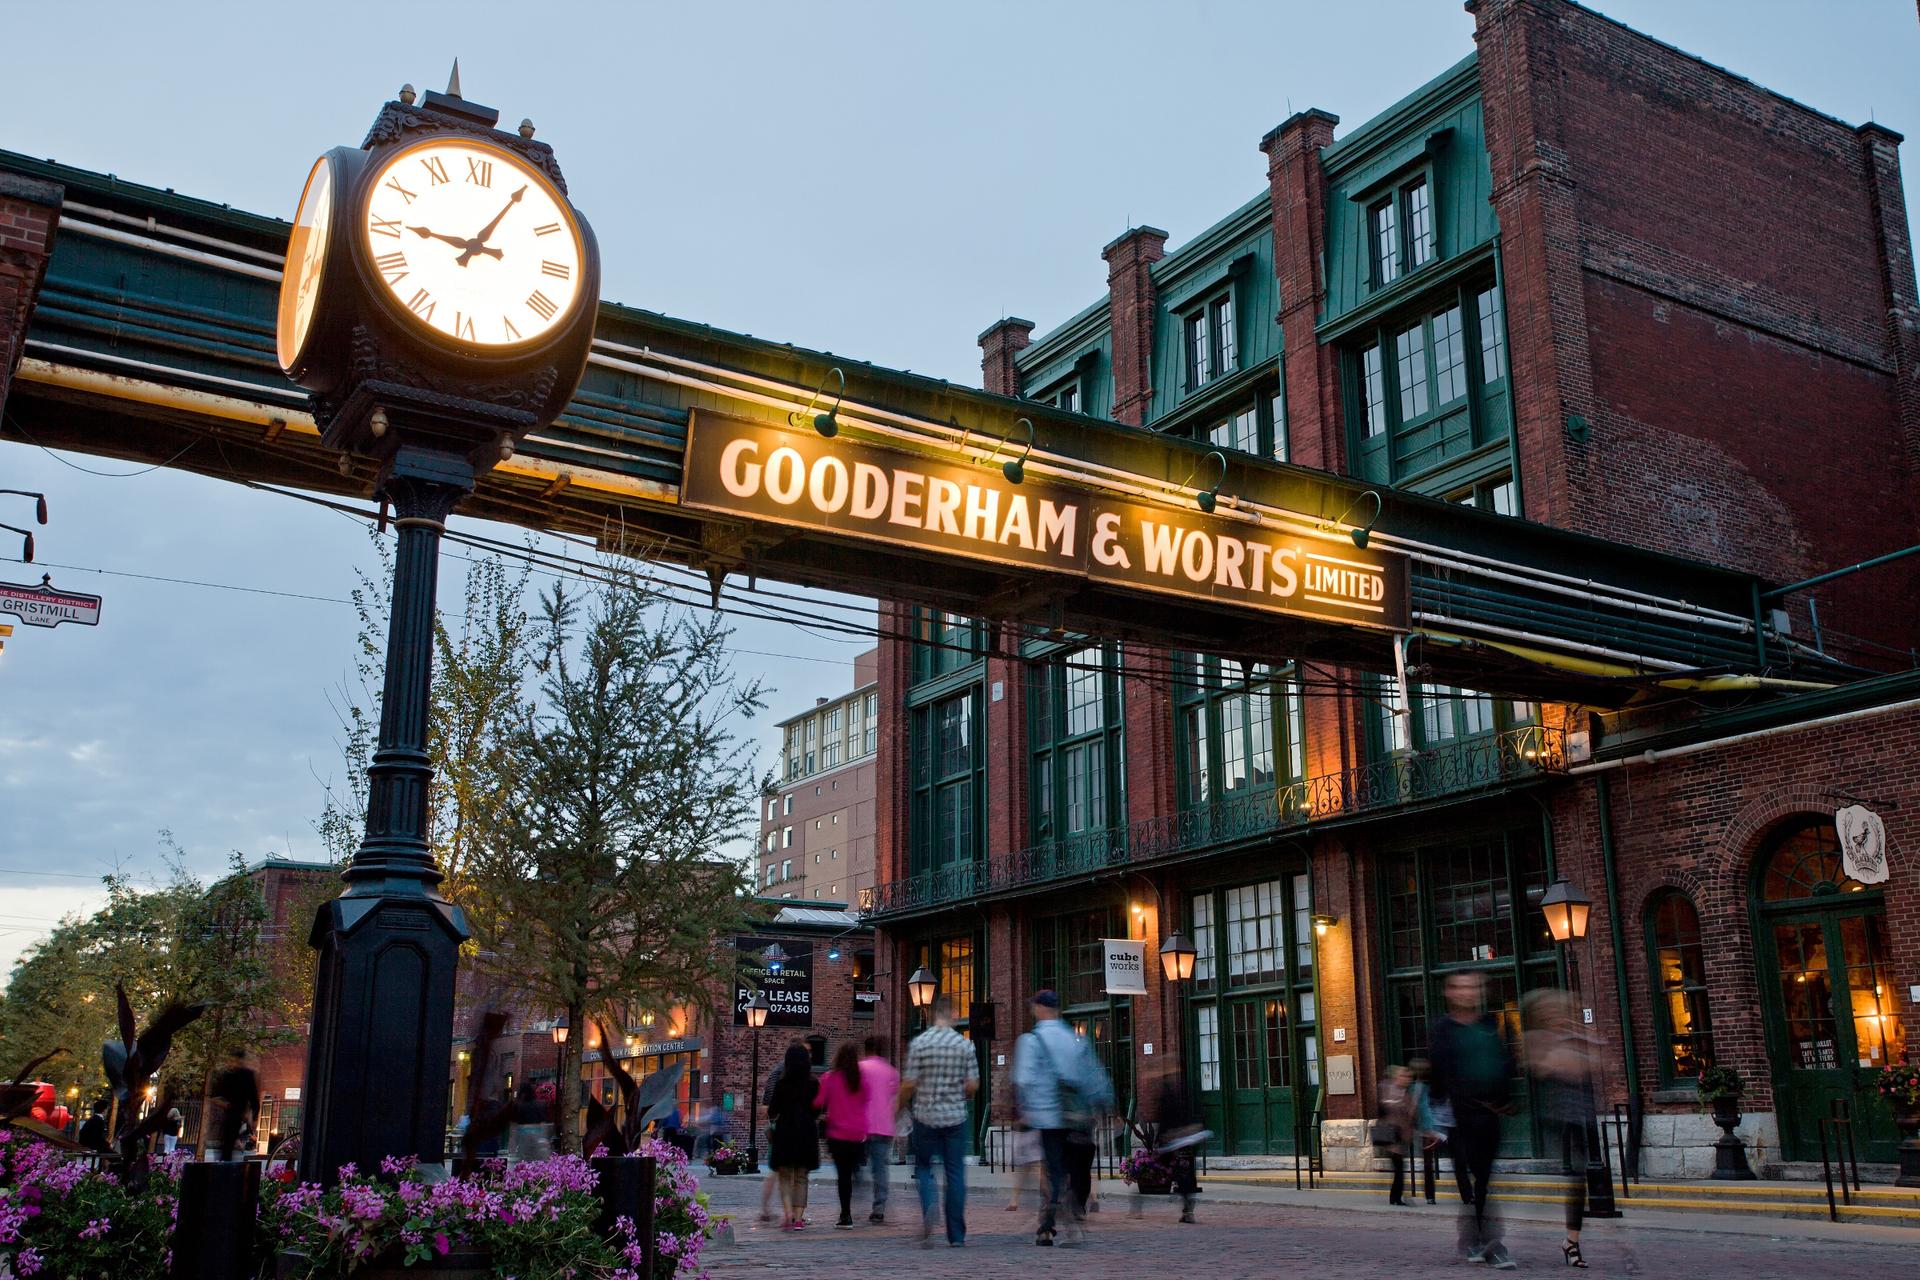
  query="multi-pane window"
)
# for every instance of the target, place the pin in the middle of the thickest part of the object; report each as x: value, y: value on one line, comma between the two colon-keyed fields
x: 943, y: 642
x: 1253, y: 970
x: 1679, y: 986
x: 1374, y: 379
x: 1410, y: 366
x: 830, y: 754
x: 1449, y: 358
x: 1074, y: 708
x: 1493, y: 494
x: 1068, y: 397
x: 1400, y: 228
x: 1442, y: 715
x: 1239, y: 430
x: 1493, y: 335
x: 1247, y: 427
x: 946, y: 779
x: 873, y: 723
x: 1212, y: 342
x: 1238, y: 729
x: 1277, y: 415
x: 1384, y: 221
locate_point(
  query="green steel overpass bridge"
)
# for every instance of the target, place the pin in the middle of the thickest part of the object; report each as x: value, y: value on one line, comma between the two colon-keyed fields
x: 151, y: 339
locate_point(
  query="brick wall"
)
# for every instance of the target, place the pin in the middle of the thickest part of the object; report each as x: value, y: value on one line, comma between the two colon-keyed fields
x: 1727, y: 302
x: 1298, y: 189
x: 998, y: 346
x: 1131, y: 317
x: 29, y: 218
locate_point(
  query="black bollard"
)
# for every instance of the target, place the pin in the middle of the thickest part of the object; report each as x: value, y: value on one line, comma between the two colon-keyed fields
x: 213, y: 1231
x: 626, y: 1191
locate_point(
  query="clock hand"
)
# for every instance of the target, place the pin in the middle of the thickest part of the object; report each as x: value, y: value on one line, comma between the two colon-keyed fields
x: 469, y: 246
x: 479, y: 242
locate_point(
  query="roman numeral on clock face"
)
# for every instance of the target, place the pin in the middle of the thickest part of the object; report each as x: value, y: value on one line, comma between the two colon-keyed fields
x: 385, y: 226
x: 393, y: 266
x: 513, y: 334
x: 421, y: 304
x: 546, y: 229
x: 542, y: 305
x: 405, y: 194
x: 436, y: 169
x: 479, y: 172
x: 463, y: 327
x: 559, y: 270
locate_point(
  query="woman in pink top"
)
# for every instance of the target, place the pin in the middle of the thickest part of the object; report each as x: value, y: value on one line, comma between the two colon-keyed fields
x: 844, y: 1100
x: 883, y: 1100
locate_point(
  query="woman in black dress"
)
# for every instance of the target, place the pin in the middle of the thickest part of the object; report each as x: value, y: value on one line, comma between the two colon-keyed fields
x: 795, y: 1143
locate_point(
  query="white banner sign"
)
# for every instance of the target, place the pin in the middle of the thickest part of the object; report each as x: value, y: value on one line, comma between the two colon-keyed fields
x: 1863, y: 843
x: 1126, y: 966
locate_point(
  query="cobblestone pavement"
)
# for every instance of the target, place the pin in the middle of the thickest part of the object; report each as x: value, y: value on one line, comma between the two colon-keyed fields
x: 1254, y: 1241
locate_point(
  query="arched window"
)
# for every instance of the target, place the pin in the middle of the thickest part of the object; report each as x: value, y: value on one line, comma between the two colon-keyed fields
x: 1806, y: 863
x: 1679, y: 986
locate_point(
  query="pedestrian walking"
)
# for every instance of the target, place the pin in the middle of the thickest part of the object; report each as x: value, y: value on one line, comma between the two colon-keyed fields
x: 794, y: 1140
x: 943, y: 1071
x: 531, y: 1137
x: 1473, y: 1074
x: 1393, y: 1131
x: 237, y: 1090
x: 1028, y: 1161
x: 1178, y: 1136
x: 1559, y: 1058
x: 1063, y: 1090
x: 880, y: 1083
x: 93, y: 1131
x: 843, y: 1098
x: 770, y: 1185
x: 1427, y: 1131
x: 170, y: 1130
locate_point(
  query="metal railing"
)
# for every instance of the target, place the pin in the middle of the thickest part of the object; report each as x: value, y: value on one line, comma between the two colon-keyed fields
x: 1839, y: 1120
x: 1405, y: 778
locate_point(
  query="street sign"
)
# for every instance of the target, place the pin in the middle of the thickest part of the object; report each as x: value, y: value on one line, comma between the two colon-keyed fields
x: 44, y: 606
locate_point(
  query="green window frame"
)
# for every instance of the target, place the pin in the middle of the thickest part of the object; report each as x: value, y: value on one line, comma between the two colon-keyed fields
x: 1211, y: 340
x: 1254, y: 939
x: 1067, y: 956
x: 947, y: 774
x: 1441, y: 716
x: 1238, y: 729
x: 1077, y: 771
x: 1677, y: 979
x: 944, y: 643
x: 1256, y: 424
x: 1402, y: 233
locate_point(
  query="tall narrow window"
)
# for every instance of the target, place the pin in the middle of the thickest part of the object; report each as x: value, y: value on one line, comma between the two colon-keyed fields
x: 1069, y: 398
x: 1679, y: 986
x: 1449, y: 358
x: 1220, y: 320
x: 1073, y: 727
x: 1277, y: 411
x: 1493, y: 336
x: 1419, y: 201
x: 1410, y: 360
x: 1237, y: 726
x: 1376, y: 390
x: 1385, y: 223
x: 1199, y: 350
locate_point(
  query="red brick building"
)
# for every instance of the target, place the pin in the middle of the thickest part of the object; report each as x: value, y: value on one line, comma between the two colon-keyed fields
x: 1584, y: 279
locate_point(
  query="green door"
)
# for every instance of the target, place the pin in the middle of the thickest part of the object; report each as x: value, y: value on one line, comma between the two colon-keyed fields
x: 1259, y: 1102
x: 1827, y: 982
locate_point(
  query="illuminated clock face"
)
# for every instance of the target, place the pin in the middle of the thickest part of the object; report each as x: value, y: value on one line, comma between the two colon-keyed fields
x: 306, y: 255
x: 473, y: 244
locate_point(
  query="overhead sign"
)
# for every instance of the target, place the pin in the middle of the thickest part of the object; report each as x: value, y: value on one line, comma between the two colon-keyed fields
x: 1126, y: 966
x: 43, y: 606
x: 1863, y: 843
x: 781, y: 971
x: 859, y: 490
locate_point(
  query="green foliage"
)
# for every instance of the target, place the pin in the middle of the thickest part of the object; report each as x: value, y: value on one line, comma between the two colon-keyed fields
x: 1718, y: 1082
x: 84, y: 1224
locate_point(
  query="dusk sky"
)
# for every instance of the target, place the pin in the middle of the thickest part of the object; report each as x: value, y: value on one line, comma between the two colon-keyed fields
x: 877, y: 180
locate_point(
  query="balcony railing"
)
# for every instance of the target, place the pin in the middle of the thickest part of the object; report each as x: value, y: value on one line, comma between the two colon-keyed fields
x: 1404, y: 779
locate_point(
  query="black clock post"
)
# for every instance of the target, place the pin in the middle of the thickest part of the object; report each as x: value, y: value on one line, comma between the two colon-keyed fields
x: 431, y: 413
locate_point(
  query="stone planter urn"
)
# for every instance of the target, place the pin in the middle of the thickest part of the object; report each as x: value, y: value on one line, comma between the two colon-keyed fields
x: 1729, y: 1152
x: 1907, y: 1120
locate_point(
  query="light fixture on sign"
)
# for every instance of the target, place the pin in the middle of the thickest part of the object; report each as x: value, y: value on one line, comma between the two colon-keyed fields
x: 1359, y: 533
x: 1207, y: 499
x: 1015, y: 469
x: 827, y: 424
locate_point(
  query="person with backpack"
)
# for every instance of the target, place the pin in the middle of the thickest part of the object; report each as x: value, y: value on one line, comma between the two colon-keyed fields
x: 1062, y: 1090
x: 1473, y: 1075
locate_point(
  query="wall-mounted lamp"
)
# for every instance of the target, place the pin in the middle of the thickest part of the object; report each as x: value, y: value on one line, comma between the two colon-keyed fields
x: 1360, y: 533
x: 1323, y: 922
x: 1015, y: 469
x: 921, y: 987
x: 1207, y: 499
x: 1177, y: 953
x: 1566, y: 909
x: 825, y: 423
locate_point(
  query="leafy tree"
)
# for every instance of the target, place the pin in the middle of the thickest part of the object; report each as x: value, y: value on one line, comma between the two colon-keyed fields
x: 601, y: 879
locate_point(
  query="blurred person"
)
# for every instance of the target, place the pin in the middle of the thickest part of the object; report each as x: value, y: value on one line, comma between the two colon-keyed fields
x: 1178, y: 1137
x: 93, y: 1131
x: 1473, y: 1074
x: 237, y: 1091
x: 1559, y: 1059
x: 1427, y: 1131
x: 531, y: 1137
x: 880, y: 1082
x: 794, y: 1133
x: 943, y: 1071
x: 1393, y: 1131
x: 1062, y: 1090
x: 843, y: 1098
x: 170, y: 1130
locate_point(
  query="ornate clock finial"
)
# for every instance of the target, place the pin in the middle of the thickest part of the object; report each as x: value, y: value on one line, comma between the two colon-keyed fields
x: 526, y: 127
x: 407, y: 95
x: 453, y: 81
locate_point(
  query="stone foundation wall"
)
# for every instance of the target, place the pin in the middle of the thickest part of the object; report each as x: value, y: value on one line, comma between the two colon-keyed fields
x: 1672, y: 1146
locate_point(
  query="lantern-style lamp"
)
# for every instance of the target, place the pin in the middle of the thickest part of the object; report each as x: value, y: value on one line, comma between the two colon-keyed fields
x: 920, y: 988
x: 1566, y: 911
x: 757, y: 1011
x: 1322, y: 923
x: 560, y: 1030
x: 1176, y: 957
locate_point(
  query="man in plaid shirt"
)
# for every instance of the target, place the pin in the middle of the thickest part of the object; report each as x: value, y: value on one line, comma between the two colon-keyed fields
x: 943, y: 1072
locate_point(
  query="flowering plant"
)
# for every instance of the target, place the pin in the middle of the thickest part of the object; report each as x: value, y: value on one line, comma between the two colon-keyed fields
x: 1718, y: 1082
x: 1147, y: 1169
x: 1901, y: 1086
x: 682, y: 1219
x: 725, y: 1159
x: 61, y: 1217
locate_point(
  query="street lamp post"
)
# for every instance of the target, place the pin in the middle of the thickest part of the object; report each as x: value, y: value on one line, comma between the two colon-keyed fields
x: 756, y: 1019
x: 1567, y: 911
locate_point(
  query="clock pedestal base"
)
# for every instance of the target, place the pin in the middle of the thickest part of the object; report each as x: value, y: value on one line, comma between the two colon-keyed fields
x: 389, y: 946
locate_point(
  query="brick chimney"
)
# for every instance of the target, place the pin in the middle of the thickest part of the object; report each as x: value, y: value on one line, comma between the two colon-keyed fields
x: 1130, y: 316
x: 998, y: 346
x: 1298, y: 191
